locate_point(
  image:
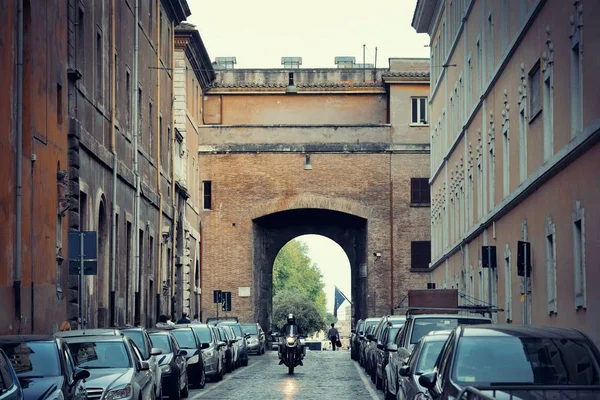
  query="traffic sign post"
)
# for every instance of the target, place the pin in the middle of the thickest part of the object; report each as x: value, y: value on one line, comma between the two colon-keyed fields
x: 217, y: 300
x: 82, y: 261
x: 226, y: 296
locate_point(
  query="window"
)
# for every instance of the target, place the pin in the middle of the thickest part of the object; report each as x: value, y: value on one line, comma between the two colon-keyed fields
x: 81, y: 40
x: 548, y: 99
x: 140, y: 114
x: 207, y: 194
x: 490, y: 45
x: 576, y: 90
x: 419, y: 111
x: 128, y: 98
x: 535, y: 100
x: 420, y: 254
x: 150, y: 16
x: 419, y: 191
x: 522, y: 144
x: 479, y: 68
x: 150, y: 132
x: 506, y: 158
x: 551, y: 265
x: 579, y: 256
x: 59, y: 104
x: 99, y: 66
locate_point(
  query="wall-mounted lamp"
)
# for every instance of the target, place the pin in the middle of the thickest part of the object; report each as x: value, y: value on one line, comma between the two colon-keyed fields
x: 377, y: 254
x: 307, y: 164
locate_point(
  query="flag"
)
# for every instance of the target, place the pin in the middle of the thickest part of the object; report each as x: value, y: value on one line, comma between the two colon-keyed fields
x: 338, y: 300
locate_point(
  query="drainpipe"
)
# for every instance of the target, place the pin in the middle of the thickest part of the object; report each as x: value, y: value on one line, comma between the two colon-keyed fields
x: 172, y: 162
x: 136, y: 171
x: 17, y: 271
x: 113, y: 253
x: 391, y: 238
x: 158, y: 163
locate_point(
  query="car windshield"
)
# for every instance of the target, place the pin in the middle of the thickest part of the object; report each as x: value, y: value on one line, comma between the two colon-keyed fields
x: 369, y: 324
x: 203, y: 333
x: 185, y: 338
x: 161, y: 342
x: 92, y: 355
x: 33, y: 359
x: 392, y: 334
x: 252, y: 329
x: 423, y: 326
x: 237, y: 329
x: 138, y: 339
x: 428, y: 355
x: 360, y: 326
x: 531, y: 360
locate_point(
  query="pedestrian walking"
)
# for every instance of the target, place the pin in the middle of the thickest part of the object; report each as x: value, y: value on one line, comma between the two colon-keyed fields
x: 184, y: 319
x: 334, y: 336
x: 196, y: 320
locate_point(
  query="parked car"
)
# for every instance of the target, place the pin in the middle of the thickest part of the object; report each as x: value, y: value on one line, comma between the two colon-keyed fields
x: 370, y: 325
x: 257, y: 341
x: 418, y: 325
x: 374, y: 340
x: 502, y: 361
x: 188, y: 341
x: 214, y: 354
x: 241, y: 340
x: 355, y: 340
x: 117, y: 369
x: 45, y: 368
x: 10, y: 388
x: 172, y: 364
x: 229, y: 351
x: 403, y: 381
x: 382, y: 354
x: 142, y: 340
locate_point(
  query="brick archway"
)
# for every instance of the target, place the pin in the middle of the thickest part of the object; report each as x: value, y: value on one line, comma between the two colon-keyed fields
x: 272, y: 231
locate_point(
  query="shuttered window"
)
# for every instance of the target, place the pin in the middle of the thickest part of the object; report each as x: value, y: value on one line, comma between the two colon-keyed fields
x: 419, y: 191
x: 420, y: 254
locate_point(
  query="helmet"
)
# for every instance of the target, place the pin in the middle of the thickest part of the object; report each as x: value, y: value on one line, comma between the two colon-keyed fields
x: 291, y: 319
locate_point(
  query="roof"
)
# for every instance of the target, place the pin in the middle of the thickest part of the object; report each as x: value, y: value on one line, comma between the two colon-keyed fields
x: 158, y: 331
x: 26, y: 338
x: 423, y: 15
x: 94, y: 338
x: 298, y: 85
x: 407, y: 74
x: 177, y: 10
x: 448, y: 316
x: 531, y: 331
x: 88, y: 332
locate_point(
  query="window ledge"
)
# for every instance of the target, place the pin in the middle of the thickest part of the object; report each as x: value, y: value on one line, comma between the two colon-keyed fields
x: 420, y: 270
x: 418, y: 125
x: 423, y: 205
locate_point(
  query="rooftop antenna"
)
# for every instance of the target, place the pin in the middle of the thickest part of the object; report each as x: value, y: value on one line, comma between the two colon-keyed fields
x: 375, y: 70
x: 364, y: 65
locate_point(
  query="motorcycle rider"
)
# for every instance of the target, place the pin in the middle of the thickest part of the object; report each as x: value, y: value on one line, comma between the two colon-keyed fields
x: 288, y: 328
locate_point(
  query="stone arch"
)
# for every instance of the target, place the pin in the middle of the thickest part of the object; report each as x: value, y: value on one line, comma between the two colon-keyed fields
x: 272, y: 231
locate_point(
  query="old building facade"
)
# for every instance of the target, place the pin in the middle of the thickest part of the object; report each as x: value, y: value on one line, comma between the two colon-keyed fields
x: 120, y: 130
x: 33, y: 161
x: 515, y: 156
x: 334, y: 152
x: 193, y: 75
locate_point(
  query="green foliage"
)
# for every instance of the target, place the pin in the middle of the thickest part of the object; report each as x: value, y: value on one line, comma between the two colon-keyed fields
x: 291, y: 301
x: 330, y: 319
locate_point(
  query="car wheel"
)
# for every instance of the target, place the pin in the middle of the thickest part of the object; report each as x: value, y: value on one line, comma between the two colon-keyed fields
x: 373, y: 375
x: 245, y: 362
x: 202, y: 381
x: 378, y: 382
x: 186, y: 388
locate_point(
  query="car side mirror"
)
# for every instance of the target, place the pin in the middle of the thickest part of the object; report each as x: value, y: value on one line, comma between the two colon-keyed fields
x: 370, y: 336
x: 182, y: 353
x: 144, y: 366
x: 392, y: 347
x: 361, y: 336
x: 232, y: 341
x: 404, y: 370
x: 80, y: 374
x: 428, y: 380
x: 204, y: 346
x: 380, y: 346
x: 155, y: 351
x: 221, y: 344
x: 247, y: 336
x: 353, y: 331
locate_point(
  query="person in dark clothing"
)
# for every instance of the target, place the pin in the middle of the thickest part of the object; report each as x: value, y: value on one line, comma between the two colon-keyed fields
x: 291, y: 328
x: 334, y: 336
x: 184, y: 319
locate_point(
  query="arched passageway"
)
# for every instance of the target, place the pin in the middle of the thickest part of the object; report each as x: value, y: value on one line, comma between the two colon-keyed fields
x: 273, y: 231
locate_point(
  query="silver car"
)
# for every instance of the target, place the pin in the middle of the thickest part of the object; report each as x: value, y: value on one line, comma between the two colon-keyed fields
x: 257, y: 340
x: 214, y: 355
x: 117, y: 370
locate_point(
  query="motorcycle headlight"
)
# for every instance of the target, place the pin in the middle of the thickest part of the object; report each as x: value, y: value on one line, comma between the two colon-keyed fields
x: 193, y: 359
x: 290, y: 340
x: 166, y: 369
x: 120, y: 393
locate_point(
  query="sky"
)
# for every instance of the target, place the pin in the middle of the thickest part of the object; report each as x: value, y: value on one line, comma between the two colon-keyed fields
x: 259, y: 32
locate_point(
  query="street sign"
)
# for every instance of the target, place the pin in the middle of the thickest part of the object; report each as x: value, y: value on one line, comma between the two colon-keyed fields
x: 216, y: 296
x: 90, y: 252
x: 226, y: 297
x: 523, y: 258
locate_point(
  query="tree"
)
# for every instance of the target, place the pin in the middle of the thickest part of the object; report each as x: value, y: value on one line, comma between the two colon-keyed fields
x: 292, y: 301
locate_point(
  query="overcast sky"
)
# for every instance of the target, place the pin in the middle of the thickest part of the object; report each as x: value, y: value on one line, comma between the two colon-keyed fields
x: 260, y: 32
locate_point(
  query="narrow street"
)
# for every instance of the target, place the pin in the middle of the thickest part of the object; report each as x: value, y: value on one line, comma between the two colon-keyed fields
x: 325, y: 376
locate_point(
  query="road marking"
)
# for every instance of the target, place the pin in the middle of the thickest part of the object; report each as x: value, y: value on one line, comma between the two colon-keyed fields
x: 366, y: 382
x: 225, y: 379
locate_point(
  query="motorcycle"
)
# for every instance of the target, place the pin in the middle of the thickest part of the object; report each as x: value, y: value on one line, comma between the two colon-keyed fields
x: 291, y: 349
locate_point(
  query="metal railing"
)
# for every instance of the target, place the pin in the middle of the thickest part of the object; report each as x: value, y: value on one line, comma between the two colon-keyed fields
x: 444, y: 310
x: 531, y: 392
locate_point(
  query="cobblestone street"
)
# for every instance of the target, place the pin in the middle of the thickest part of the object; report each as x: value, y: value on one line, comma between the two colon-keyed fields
x: 324, y: 376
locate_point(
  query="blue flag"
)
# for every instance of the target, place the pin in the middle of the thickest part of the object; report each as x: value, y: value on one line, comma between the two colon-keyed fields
x: 338, y: 300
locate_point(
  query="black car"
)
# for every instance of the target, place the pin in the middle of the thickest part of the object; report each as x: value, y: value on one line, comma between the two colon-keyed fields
x: 45, y: 367
x: 172, y: 364
x: 512, y: 361
x: 10, y: 388
x: 354, y: 339
x: 188, y: 341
